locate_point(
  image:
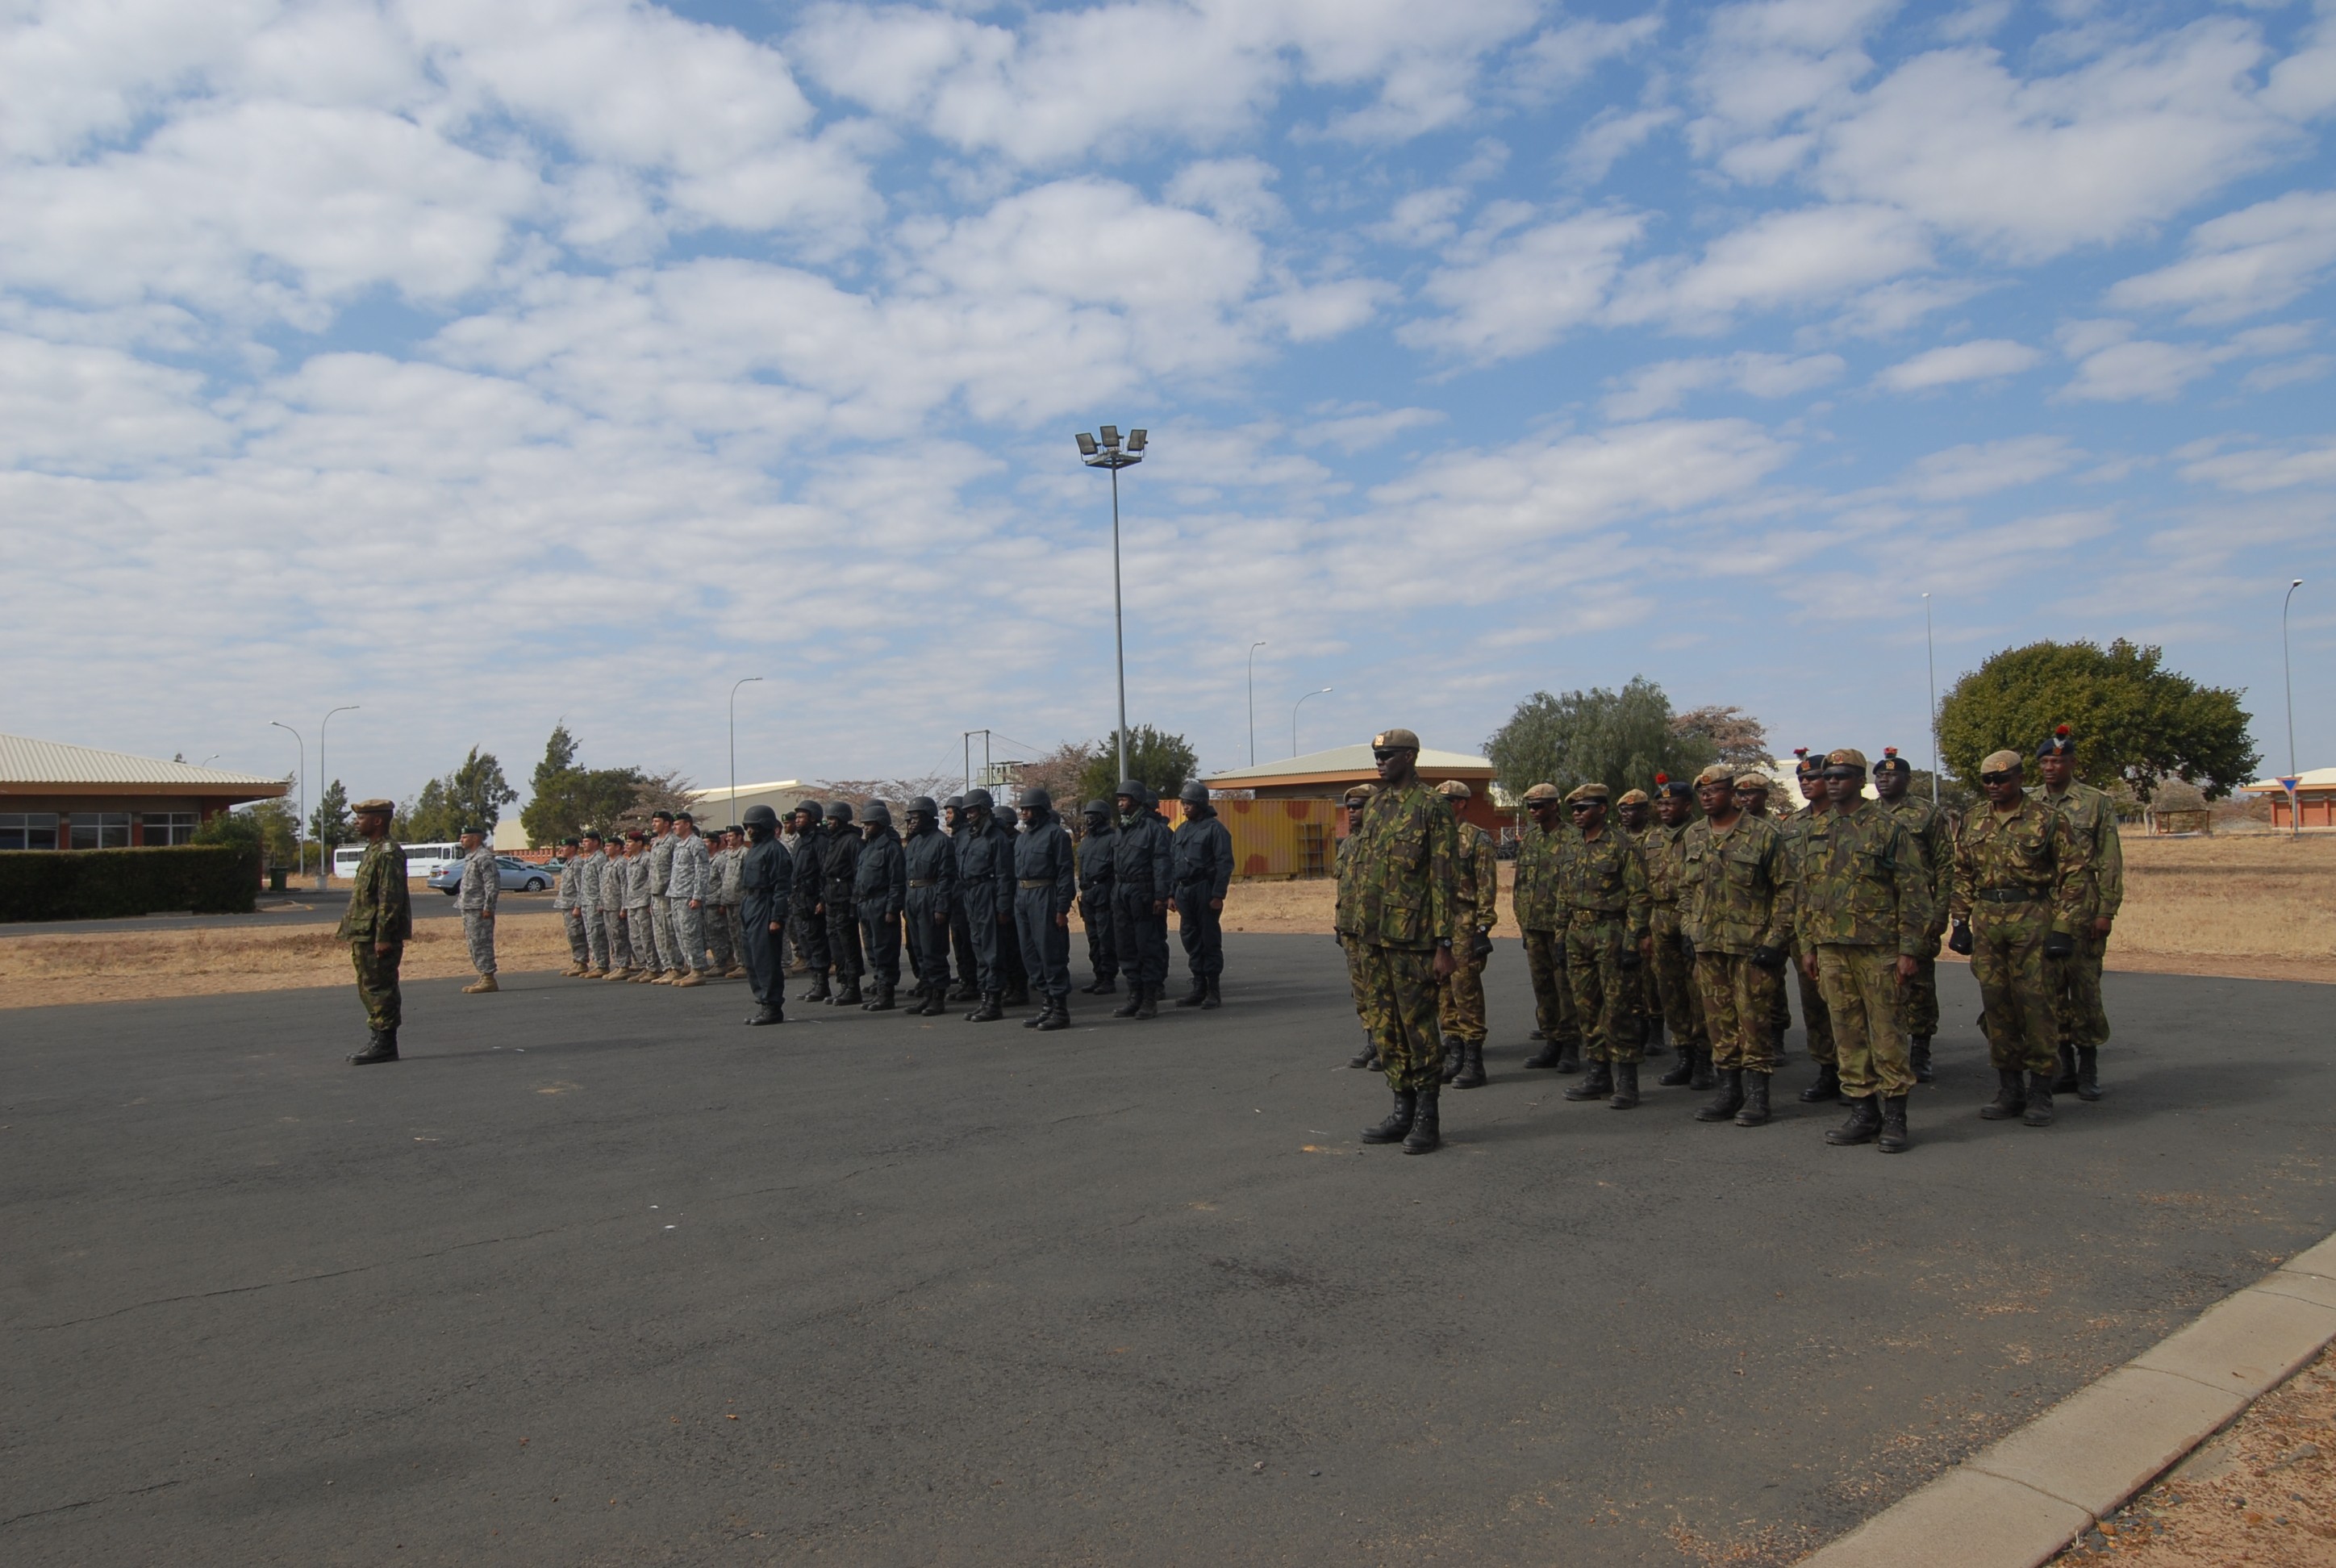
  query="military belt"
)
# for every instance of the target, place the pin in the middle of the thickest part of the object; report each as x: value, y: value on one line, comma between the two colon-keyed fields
x: 2008, y: 895
x: 1036, y: 882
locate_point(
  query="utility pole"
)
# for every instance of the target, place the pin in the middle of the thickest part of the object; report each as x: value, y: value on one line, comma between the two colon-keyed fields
x: 1252, y: 701
x: 1107, y: 454
x: 1930, y: 652
x: 298, y: 824
x: 742, y: 680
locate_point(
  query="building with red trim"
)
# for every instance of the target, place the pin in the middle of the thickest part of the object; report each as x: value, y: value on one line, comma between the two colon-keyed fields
x: 55, y: 796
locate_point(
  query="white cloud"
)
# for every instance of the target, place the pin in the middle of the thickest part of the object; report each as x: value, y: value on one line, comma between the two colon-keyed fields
x: 1528, y: 290
x: 1659, y: 388
x: 1611, y: 135
x: 1981, y: 359
x: 2139, y: 370
x: 2259, y: 469
x: 1237, y: 191
x: 80, y: 410
x: 1360, y: 427
x: 1803, y: 258
x: 2243, y: 263
x: 1982, y: 468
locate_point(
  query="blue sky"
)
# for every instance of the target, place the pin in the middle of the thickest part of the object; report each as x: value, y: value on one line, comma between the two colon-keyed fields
x: 488, y: 365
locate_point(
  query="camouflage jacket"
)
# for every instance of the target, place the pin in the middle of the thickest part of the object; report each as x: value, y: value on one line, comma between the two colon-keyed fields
x: 2007, y: 862
x: 565, y: 891
x: 1931, y: 832
x: 637, y: 880
x: 1663, y: 850
x: 2093, y: 820
x: 729, y: 868
x: 381, y: 906
x: 1405, y: 871
x: 690, y: 873
x: 661, y: 865
x: 1479, y: 878
x: 1342, y: 921
x: 1790, y: 826
x: 1861, y: 883
x: 1604, y: 876
x: 1539, y: 894
x: 1735, y: 893
x: 482, y: 881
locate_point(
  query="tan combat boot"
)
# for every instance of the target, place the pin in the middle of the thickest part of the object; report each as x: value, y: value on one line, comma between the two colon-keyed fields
x: 481, y: 986
x: 690, y: 977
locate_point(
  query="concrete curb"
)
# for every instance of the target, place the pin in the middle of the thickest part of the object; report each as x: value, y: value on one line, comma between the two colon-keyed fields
x: 2020, y: 1501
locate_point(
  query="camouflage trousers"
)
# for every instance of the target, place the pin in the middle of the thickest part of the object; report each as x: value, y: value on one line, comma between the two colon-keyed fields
x: 2076, y: 987
x: 662, y: 944
x: 2014, y: 992
x: 1862, y: 994
x: 639, y: 936
x: 725, y: 938
x: 1679, y: 997
x: 1739, y: 1009
x: 377, y: 988
x: 580, y: 945
x: 620, y: 939
x: 1603, y: 989
x: 1460, y: 1000
x: 1359, y: 982
x: 1814, y: 1020
x: 1552, y: 997
x: 688, y: 928
x: 479, y: 936
x: 1399, y: 1011
x: 595, y: 937
x: 1920, y: 999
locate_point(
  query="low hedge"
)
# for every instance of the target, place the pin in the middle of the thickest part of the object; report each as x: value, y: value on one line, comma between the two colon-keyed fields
x: 97, y: 884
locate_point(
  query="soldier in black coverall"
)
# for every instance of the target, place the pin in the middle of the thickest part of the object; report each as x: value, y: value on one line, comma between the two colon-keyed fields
x: 968, y: 967
x: 1141, y: 857
x: 932, y: 906
x: 810, y: 874
x: 1045, y: 885
x: 880, y: 891
x: 839, y: 867
x: 1097, y: 847
x: 766, y: 882
x: 985, y: 876
x: 1204, y: 871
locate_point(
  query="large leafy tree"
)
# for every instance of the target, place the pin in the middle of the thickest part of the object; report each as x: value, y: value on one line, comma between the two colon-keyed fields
x: 1161, y: 761
x: 328, y: 824
x: 565, y: 798
x: 474, y: 793
x: 2135, y: 722
x: 1618, y: 738
x: 269, y: 823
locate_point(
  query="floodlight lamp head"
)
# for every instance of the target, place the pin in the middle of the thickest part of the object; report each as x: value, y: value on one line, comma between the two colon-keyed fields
x: 1135, y: 439
x: 1086, y: 444
x: 1111, y: 437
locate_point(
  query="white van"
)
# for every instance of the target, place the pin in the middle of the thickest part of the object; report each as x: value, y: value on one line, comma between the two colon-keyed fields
x: 421, y: 859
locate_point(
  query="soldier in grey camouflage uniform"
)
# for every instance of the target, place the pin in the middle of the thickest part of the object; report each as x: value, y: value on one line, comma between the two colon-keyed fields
x: 665, y: 952
x: 690, y: 884
x: 482, y: 883
x: 640, y: 926
x: 730, y: 894
x: 566, y: 904
x: 612, y: 880
x: 588, y: 869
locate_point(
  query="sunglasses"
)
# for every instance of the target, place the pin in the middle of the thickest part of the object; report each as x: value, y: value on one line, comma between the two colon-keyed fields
x: 1997, y: 778
x: 1584, y: 806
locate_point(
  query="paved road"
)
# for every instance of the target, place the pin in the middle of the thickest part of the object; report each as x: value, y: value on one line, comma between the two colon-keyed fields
x: 1131, y: 1293
x: 288, y: 908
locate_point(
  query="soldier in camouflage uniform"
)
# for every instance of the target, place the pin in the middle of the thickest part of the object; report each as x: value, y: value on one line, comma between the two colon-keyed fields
x: 689, y: 887
x: 639, y: 923
x: 482, y: 884
x: 1539, y: 898
x: 1606, y: 920
x: 1405, y: 876
x: 1460, y: 997
x: 1662, y: 850
x: 665, y: 952
x: 613, y: 878
x: 2021, y: 884
x: 730, y: 897
x: 1344, y: 928
x: 1861, y: 912
x: 588, y: 869
x: 1931, y: 832
x: 1815, y: 1022
x: 2076, y: 980
x: 1632, y: 812
x: 378, y: 924
x: 564, y: 905
x: 1735, y: 905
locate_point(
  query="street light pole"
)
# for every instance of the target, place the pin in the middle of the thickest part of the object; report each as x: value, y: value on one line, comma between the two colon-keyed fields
x: 1107, y: 454
x: 742, y: 680
x: 1931, y: 653
x: 2287, y: 672
x: 1252, y: 701
x: 1293, y: 717
x: 296, y: 822
x: 344, y: 707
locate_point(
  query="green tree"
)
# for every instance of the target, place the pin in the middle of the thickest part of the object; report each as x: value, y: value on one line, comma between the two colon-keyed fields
x: 1618, y: 738
x: 268, y: 824
x: 564, y: 798
x: 428, y: 818
x: 328, y: 824
x: 2136, y: 723
x: 1162, y: 761
x: 474, y: 793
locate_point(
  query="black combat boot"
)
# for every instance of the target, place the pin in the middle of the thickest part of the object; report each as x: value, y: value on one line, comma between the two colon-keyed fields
x: 1472, y: 1065
x: 1017, y: 992
x: 849, y: 996
x: 1728, y: 1101
x: 1057, y: 1015
x: 2088, y: 1073
x: 1827, y: 1087
x: 1596, y: 1086
x: 2065, y: 1083
x: 1147, y: 1003
x: 1626, y: 1087
x: 381, y: 1047
x: 1196, y: 996
x: 819, y: 991
x: 1450, y: 1069
x: 989, y: 1012
x: 1703, y: 1078
x: 1754, y: 1111
x: 963, y: 990
x: 1424, y: 1138
x: 1893, y: 1139
x: 1918, y: 1059
x: 1652, y: 1045
x: 1569, y: 1056
x: 1367, y: 1057
x: 2038, y: 1113
x: 1104, y: 985
x: 1215, y: 1000
x: 1864, y: 1124
x: 1681, y: 1070
x: 1399, y: 1122
x: 2010, y: 1098
x: 883, y: 1001
x: 768, y: 1013
x: 1544, y: 1057
x: 1045, y: 1010
x: 1128, y: 1009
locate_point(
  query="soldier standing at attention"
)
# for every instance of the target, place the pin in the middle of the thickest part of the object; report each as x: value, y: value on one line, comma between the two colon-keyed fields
x: 1143, y: 859
x: 1862, y: 910
x: 1734, y: 906
x: 1632, y: 812
x: 766, y: 880
x: 728, y: 895
x: 665, y: 954
x: 2076, y: 980
x: 968, y: 967
x: 1460, y: 995
x: 1817, y: 1023
x: 1202, y: 856
x: 2021, y: 885
x: 880, y: 892
x: 1405, y: 876
x: 1606, y: 900
x: 378, y: 924
x: 1045, y: 886
x: 639, y: 923
x: 481, y: 884
x: 809, y: 856
x: 1539, y: 897
x: 565, y: 905
x: 587, y: 869
x: 1344, y: 928
x: 1932, y: 835
x: 1095, y: 853
x: 1670, y: 961
x: 985, y: 873
x: 929, y: 873
x: 689, y: 883
x: 839, y: 865
x: 612, y: 878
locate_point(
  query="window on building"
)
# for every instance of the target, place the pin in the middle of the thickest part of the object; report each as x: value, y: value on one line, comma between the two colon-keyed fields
x: 28, y: 830
x: 167, y: 828
x: 100, y: 830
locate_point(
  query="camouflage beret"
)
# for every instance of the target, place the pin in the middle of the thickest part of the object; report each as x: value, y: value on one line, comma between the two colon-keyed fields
x: 368, y: 807
x: 1455, y: 790
x: 2004, y: 762
x: 1633, y: 798
x: 1540, y: 793
x: 1846, y: 756
x: 1585, y: 794
x: 1395, y: 740
x: 1752, y: 778
x: 1360, y: 796
x: 1717, y: 773
x: 2059, y: 742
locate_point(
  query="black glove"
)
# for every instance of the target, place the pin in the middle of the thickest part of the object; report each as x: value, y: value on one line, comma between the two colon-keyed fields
x: 1960, y: 941
x: 1770, y: 959
x: 2060, y: 945
x: 1481, y: 947
x: 1629, y: 959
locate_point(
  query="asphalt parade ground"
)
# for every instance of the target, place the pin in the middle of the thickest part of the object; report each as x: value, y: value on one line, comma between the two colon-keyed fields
x: 598, y: 1275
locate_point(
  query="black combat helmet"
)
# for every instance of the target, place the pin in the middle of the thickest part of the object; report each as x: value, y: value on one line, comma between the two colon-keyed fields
x: 1193, y: 793
x: 1095, y: 809
x: 1039, y: 799
x: 978, y: 801
x: 922, y: 805
x: 841, y: 811
x: 879, y: 814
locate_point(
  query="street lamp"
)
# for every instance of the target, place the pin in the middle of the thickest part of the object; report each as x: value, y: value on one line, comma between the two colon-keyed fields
x: 1293, y: 717
x: 1252, y: 701
x: 345, y: 708
x: 1107, y: 453
x: 295, y: 734
x: 2287, y: 670
x: 1931, y: 653
x: 743, y: 680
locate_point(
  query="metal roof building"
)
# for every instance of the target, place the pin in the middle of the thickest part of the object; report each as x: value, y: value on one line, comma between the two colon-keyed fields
x: 55, y: 796
x: 1326, y: 774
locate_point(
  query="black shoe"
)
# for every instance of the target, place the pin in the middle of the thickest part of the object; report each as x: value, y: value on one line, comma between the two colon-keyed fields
x: 1367, y: 1057
x: 1017, y: 995
x: 1045, y: 1010
x: 2088, y: 1073
x: 1128, y: 1009
x: 1215, y: 1000
x: 1569, y: 1056
x: 1653, y: 1045
x: 1864, y: 1125
x: 1681, y: 1071
x: 1450, y: 1069
x: 1104, y: 986
x: 1626, y: 1087
x: 1472, y: 1065
x: 1399, y: 1122
x: 989, y: 1012
x: 1724, y: 1104
x: 1596, y: 1086
x: 381, y: 1047
x: 1196, y: 996
x: 2038, y: 1113
x: 2066, y: 1081
x: 882, y: 1002
x: 1703, y: 1078
x: 1918, y: 1057
x: 1754, y: 1110
x: 1147, y: 1003
x: 818, y: 992
x: 963, y: 992
x: 1826, y: 1088
x: 1057, y: 1017
x: 1893, y: 1139
x: 2009, y: 1100
x: 849, y: 996
x: 1424, y: 1138
x: 1544, y: 1057
x: 768, y: 1013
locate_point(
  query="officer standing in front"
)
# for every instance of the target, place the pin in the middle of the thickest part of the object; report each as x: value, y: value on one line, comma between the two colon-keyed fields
x: 985, y: 875
x: 765, y: 882
x: 1407, y: 915
x: 928, y: 867
x: 1097, y: 849
x: 880, y: 892
x: 481, y: 885
x: 1204, y: 871
x: 1045, y: 885
x: 1142, y: 856
x: 378, y: 924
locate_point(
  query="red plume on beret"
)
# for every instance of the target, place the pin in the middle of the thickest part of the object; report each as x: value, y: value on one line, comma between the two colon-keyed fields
x: 2060, y: 730
x: 1663, y: 778
x: 1890, y: 751
x: 1800, y: 751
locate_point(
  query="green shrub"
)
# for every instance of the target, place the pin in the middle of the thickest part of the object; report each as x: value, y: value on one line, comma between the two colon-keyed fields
x: 98, y: 884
